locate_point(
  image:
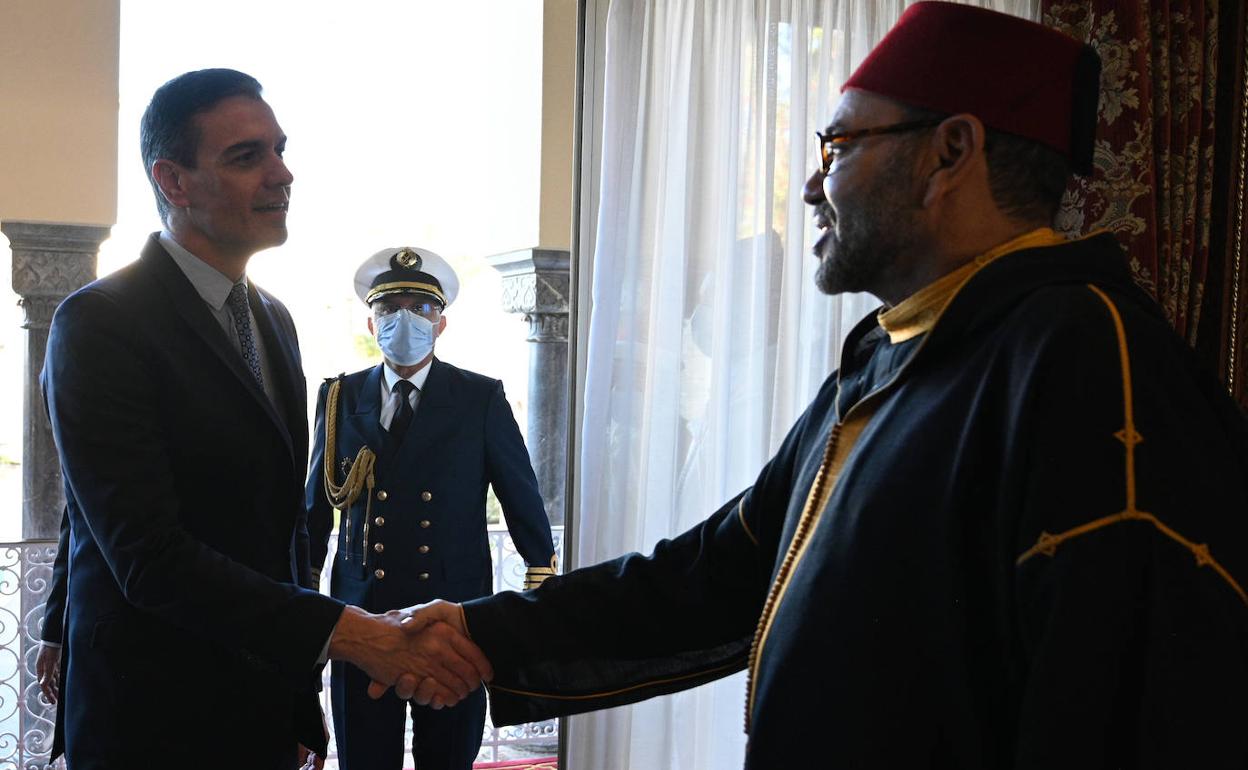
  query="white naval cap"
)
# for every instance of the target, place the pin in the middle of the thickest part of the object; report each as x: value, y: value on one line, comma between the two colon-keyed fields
x: 406, y: 270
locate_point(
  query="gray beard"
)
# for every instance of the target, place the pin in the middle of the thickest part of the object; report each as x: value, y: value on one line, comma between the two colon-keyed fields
x: 863, y: 255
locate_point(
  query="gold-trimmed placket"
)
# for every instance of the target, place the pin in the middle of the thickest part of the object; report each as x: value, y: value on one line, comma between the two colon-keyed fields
x: 841, y: 441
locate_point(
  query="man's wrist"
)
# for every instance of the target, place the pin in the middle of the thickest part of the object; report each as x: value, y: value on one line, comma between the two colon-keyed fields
x: 347, y: 632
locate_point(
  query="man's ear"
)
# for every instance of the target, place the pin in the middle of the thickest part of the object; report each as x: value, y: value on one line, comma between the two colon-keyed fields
x: 958, y: 147
x: 169, y: 178
x: 370, y: 325
x: 441, y: 327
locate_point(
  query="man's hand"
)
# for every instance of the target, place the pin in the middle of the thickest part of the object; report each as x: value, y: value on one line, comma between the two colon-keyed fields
x: 308, y: 759
x: 412, y: 686
x: 48, y: 671
x: 385, y: 647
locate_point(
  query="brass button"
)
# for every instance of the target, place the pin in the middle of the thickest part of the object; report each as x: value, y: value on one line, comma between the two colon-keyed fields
x: 379, y: 574
x: 380, y: 521
x: 423, y: 549
x: 423, y: 576
x: 379, y: 547
x: 381, y: 495
x: 426, y: 496
x: 424, y: 524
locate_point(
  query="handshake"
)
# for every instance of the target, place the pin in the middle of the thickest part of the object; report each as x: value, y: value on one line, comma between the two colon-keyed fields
x: 423, y: 652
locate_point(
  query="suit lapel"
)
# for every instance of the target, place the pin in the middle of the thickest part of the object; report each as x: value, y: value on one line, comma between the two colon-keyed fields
x: 283, y: 364
x: 364, y: 418
x: 191, y: 308
x: 432, y: 408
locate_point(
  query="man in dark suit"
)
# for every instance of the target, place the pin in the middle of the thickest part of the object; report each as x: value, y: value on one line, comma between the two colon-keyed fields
x: 405, y: 450
x: 194, y: 634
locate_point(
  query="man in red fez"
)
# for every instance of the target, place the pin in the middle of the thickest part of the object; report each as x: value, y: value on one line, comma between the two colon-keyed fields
x: 1008, y: 532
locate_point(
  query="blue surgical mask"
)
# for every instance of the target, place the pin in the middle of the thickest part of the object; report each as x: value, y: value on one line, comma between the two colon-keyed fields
x: 404, y: 337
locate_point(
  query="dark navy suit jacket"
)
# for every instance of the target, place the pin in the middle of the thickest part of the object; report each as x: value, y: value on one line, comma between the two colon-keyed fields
x: 186, y: 626
x: 426, y: 530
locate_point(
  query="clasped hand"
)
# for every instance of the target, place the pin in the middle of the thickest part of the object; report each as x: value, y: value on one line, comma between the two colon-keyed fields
x: 423, y: 651
x: 424, y: 687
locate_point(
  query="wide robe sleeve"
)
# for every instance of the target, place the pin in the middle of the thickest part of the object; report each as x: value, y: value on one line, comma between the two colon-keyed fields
x: 1129, y: 556
x: 639, y: 626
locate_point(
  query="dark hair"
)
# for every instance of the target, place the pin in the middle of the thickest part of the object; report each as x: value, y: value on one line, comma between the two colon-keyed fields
x: 167, y: 130
x: 1026, y: 178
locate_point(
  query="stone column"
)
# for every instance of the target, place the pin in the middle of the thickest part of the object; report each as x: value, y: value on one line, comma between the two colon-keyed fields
x: 50, y: 260
x: 536, y: 283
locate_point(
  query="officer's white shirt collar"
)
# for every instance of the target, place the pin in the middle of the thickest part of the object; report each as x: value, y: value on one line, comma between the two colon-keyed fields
x: 390, y: 399
x: 391, y: 378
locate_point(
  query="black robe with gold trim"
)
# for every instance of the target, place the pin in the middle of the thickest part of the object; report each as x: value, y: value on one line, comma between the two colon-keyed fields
x: 1028, y: 548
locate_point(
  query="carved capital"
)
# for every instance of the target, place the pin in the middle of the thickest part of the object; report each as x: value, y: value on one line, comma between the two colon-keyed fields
x: 39, y: 311
x: 547, y: 327
x: 52, y: 259
x: 534, y: 281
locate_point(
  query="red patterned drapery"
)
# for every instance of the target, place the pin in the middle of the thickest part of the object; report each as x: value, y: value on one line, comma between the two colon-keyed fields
x: 1153, y: 184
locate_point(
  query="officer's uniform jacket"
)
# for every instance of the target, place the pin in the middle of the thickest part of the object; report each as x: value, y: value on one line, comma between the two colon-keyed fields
x: 417, y: 532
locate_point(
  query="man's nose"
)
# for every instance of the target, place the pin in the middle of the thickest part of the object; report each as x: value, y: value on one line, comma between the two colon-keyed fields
x: 279, y: 175
x: 812, y: 192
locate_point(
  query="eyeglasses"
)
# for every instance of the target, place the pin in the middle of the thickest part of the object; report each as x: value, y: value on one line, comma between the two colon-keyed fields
x: 828, y: 145
x: 428, y: 310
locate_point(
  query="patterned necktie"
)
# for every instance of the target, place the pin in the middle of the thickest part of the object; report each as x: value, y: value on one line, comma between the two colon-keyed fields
x: 242, y: 326
x: 403, y: 416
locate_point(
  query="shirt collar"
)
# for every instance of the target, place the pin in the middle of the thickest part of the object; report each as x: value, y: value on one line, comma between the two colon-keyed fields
x: 211, y: 285
x: 917, y: 313
x: 418, y: 379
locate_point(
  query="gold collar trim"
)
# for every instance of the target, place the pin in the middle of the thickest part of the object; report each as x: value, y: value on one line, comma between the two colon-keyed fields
x: 918, y: 313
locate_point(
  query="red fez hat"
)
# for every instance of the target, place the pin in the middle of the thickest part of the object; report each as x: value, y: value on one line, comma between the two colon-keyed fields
x: 1015, y: 75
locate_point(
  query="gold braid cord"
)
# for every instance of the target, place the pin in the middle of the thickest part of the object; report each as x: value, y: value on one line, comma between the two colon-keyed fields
x: 343, y: 495
x: 1047, y: 544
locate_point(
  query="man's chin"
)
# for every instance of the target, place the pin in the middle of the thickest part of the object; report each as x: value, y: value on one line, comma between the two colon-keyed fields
x: 275, y: 237
x: 830, y: 278
x: 847, y: 272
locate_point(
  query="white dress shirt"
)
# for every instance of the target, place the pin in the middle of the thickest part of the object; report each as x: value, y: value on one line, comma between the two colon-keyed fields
x: 214, y: 288
x: 390, y: 399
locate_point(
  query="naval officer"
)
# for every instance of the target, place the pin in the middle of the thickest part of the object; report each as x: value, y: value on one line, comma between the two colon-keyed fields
x: 405, y: 451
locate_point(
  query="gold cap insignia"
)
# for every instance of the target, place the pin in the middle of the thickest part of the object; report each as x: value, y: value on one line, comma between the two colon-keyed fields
x: 409, y: 259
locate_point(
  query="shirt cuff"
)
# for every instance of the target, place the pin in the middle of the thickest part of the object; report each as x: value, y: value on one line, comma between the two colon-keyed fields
x: 324, y: 658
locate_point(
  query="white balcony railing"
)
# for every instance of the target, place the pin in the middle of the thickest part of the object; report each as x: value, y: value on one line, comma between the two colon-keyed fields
x: 26, y: 719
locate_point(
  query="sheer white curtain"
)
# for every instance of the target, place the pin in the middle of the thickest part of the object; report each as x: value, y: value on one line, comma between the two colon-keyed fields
x: 707, y: 336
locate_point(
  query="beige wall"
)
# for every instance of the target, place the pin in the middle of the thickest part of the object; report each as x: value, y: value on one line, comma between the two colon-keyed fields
x: 558, y: 115
x: 58, y: 110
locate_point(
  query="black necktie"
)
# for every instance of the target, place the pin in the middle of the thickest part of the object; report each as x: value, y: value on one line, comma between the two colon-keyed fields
x: 403, y: 416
